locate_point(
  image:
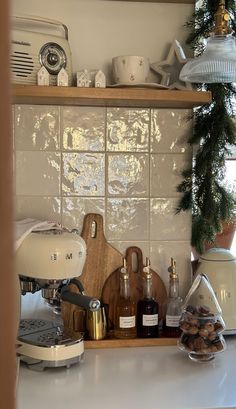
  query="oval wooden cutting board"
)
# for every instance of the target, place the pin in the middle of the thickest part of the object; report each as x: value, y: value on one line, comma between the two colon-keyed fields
x: 101, y: 258
x: 110, y: 291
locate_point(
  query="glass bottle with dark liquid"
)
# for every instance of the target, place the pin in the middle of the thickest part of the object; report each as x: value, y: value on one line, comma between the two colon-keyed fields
x: 173, y: 308
x: 147, y: 308
x: 125, y: 309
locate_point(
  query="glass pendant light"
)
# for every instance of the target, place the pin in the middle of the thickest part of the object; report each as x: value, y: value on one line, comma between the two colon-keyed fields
x: 218, y: 62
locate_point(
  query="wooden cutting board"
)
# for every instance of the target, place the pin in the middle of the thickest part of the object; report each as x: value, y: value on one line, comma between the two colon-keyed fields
x: 110, y: 291
x: 102, y: 259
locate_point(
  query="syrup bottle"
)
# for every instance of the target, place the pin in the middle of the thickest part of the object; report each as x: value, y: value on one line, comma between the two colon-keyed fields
x: 173, y: 310
x: 125, y: 308
x: 147, y: 308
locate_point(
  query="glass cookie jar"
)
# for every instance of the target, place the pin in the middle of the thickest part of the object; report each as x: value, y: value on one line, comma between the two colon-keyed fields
x: 201, y: 322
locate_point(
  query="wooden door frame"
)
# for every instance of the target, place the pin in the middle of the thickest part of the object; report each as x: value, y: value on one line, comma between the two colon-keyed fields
x: 8, y: 297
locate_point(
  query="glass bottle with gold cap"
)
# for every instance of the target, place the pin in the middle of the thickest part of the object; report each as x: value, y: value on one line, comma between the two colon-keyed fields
x: 147, y: 308
x: 173, y: 307
x: 125, y: 308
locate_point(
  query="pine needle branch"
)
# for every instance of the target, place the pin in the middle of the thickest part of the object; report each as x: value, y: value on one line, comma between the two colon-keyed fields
x: 214, y: 131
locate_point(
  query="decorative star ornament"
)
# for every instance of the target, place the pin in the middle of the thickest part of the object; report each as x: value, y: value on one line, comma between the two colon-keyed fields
x: 169, y: 69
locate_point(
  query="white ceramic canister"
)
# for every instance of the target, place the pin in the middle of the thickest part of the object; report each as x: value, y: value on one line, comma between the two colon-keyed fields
x: 220, y: 267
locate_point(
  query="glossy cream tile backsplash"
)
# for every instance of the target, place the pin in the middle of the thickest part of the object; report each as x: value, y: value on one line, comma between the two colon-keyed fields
x: 83, y: 174
x: 128, y: 130
x: 37, y: 128
x: 128, y: 175
x: 123, y: 163
x: 83, y: 128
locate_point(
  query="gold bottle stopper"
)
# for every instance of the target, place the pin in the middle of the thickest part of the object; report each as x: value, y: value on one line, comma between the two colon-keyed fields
x: 123, y: 271
x: 146, y: 269
x: 172, y: 269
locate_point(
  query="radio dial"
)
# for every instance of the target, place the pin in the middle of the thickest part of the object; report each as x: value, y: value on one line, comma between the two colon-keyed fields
x: 52, y: 57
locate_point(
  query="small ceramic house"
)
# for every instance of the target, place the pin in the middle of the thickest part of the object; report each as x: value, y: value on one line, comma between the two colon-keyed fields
x: 100, y: 79
x: 83, y: 78
x: 62, y: 78
x: 43, y: 76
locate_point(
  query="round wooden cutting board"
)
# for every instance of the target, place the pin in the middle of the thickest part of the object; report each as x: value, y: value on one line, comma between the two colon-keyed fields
x: 110, y: 291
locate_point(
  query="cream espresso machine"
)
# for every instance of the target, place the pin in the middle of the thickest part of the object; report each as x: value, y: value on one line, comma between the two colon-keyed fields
x: 48, y: 261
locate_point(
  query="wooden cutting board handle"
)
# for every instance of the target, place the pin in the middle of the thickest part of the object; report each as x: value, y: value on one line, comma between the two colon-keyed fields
x: 130, y: 253
x: 92, y: 228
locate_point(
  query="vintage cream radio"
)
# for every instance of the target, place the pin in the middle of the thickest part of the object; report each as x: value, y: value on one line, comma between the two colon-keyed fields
x: 38, y: 42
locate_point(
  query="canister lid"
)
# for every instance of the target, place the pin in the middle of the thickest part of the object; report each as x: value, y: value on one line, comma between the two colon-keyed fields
x: 218, y: 254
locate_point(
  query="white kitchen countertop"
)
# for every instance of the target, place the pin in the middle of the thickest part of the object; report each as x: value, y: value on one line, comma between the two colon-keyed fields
x: 134, y: 378
x: 129, y: 378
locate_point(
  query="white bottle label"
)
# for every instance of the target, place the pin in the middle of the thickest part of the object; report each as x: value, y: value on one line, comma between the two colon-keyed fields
x: 127, y: 322
x: 150, y: 320
x: 172, y: 320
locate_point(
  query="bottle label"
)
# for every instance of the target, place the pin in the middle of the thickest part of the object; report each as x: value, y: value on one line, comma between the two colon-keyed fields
x: 127, y: 322
x: 150, y: 320
x: 172, y: 320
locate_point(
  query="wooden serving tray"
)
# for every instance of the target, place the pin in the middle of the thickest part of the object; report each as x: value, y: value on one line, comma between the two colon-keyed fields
x: 124, y: 343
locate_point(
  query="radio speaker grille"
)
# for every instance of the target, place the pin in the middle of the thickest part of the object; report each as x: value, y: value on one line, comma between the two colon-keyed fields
x: 24, y: 67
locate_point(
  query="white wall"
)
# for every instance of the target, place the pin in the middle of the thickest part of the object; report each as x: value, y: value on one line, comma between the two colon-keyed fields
x: 100, y: 30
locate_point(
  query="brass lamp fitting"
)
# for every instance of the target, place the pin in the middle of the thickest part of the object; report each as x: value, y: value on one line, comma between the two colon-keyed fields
x: 222, y: 20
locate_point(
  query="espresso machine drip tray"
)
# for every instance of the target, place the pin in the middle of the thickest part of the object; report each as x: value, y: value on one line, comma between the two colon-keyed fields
x: 45, y: 344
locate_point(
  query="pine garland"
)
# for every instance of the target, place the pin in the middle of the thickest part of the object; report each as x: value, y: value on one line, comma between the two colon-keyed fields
x: 214, y: 131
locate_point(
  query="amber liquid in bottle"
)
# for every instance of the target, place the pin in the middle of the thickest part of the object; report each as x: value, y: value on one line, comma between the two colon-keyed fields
x: 125, y: 309
x: 173, y: 307
x: 147, y: 309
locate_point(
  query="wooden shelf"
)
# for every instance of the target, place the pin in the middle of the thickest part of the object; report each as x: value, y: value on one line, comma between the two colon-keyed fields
x: 124, y: 343
x: 116, y: 97
x: 161, y: 1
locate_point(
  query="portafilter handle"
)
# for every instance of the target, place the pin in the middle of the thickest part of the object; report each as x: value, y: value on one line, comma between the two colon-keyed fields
x: 89, y: 303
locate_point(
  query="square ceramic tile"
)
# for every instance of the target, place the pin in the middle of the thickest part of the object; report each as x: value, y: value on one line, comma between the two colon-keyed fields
x: 128, y: 175
x: 38, y: 173
x: 170, y: 130
x: 40, y: 207
x: 127, y: 219
x: 74, y: 209
x: 166, y: 173
x: 160, y: 256
x: 122, y: 247
x: 83, y: 128
x: 36, y: 127
x: 128, y: 129
x: 83, y: 174
x: 165, y: 224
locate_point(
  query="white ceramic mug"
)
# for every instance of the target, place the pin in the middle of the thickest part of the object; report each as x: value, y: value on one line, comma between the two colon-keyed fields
x: 130, y: 69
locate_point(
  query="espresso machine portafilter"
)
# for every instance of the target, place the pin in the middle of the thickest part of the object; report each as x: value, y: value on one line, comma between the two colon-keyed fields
x: 49, y: 261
